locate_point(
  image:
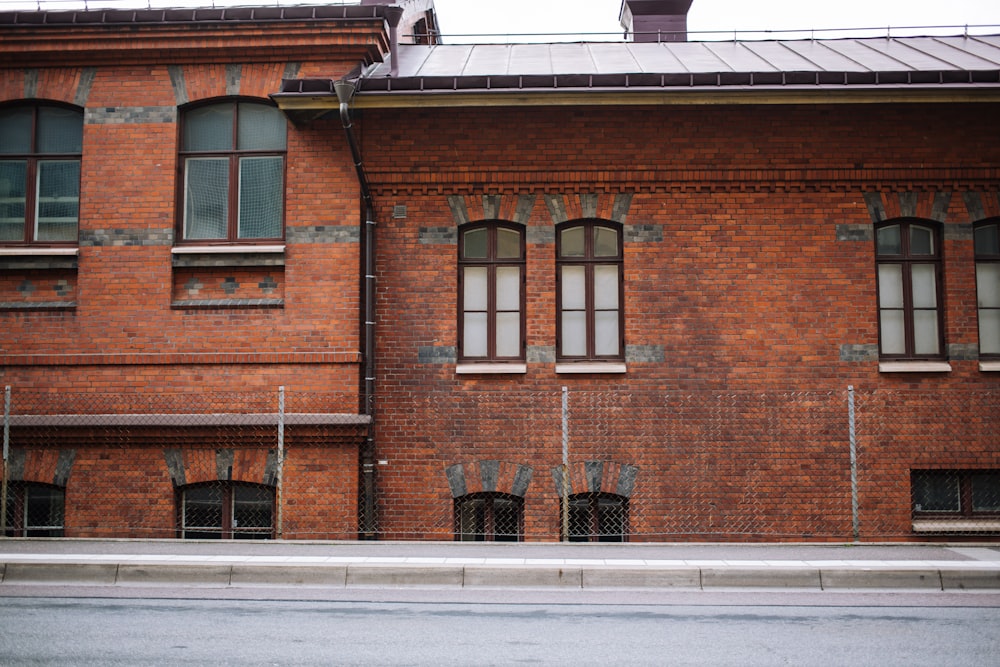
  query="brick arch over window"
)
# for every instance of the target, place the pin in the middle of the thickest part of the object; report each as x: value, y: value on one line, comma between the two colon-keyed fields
x: 42, y: 466
x: 610, y: 477
x: 196, y: 466
x: 488, y: 476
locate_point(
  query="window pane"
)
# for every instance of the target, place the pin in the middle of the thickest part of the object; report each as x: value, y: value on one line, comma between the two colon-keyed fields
x: 203, y: 512
x: 252, y: 507
x: 893, y: 337
x: 60, y: 130
x: 989, y: 331
x: 605, y: 286
x: 889, y: 241
x: 925, y: 332
x: 890, y: 286
x: 475, y: 288
x: 508, y: 334
x: 988, y: 285
x: 986, y: 491
x: 574, y: 290
x: 574, y: 333
x: 611, y: 519
x: 580, y: 519
x: 260, y: 197
x: 605, y: 242
x: 472, y: 519
x: 15, y: 130
x: 474, y: 335
x: 924, y: 290
x: 474, y: 242
x: 45, y: 509
x: 13, y: 174
x: 57, y: 207
x: 988, y: 240
x: 209, y: 128
x: 508, y: 244
x: 506, y: 519
x: 921, y: 240
x: 261, y: 127
x: 606, y: 332
x: 508, y: 295
x: 206, y: 198
x: 935, y: 492
x: 571, y: 242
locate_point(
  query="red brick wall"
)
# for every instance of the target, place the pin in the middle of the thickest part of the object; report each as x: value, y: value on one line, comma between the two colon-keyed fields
x: 741, y: 430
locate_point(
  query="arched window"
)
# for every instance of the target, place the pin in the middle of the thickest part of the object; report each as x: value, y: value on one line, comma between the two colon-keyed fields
x: 908, y: 254
x: 35, y: 510
x: 491, y: 285
x: 40, y: 149
x: 226, y: 510
x: 589, y: 263
x: 233, y: 172
x: 598, y: 517
x: 987, y: 244
x: 489, y: 517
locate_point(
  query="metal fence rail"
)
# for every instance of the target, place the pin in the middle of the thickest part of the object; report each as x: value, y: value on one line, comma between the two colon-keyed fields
x: 837, y: 464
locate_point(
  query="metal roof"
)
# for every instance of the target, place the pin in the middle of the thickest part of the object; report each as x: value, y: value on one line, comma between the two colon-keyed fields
x: 861, y: 61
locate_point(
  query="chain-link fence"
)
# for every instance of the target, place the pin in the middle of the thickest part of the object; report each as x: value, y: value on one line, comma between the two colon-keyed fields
x: 477, y: 464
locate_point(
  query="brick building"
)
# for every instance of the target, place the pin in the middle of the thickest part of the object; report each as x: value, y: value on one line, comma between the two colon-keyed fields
x: 325, y: 277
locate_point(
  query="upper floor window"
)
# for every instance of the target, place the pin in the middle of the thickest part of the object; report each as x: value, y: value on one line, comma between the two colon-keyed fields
x: 908, y: 254
x: 987, y: 242
x: 589, y: 263
x: 35, y: 510
x: 491, y: 284
x: 40, y: 149
x: 489, y: 517
x: 226, y: 510
x: 233, y: 172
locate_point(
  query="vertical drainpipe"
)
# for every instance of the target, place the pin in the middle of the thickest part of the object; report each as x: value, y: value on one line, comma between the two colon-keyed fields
x: 345, y: 89
x: 367, y: 526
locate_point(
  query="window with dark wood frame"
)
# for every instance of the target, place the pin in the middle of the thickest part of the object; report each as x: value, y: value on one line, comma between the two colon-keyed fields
x: 911, y: 314
x: 589, y: 291
x: 40, y: 152
x: 987, y: 243
x: 35, y: 510
x: 489, y: 517
x: 491, y: 271
x: 598, y: 517
x: 226, y: 510
x: 955, y: 494
x: 232, y: 173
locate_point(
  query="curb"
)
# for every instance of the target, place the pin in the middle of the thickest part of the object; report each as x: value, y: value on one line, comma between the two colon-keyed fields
x: 395, y: 575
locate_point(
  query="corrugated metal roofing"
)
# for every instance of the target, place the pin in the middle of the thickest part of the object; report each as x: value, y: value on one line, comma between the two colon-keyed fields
x: 863, y: 55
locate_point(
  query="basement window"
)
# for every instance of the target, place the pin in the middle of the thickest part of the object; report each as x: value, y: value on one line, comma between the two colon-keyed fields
x: 955, y: 501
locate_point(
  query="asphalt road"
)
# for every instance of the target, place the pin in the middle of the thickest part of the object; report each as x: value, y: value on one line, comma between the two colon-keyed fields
x: 910, y: 630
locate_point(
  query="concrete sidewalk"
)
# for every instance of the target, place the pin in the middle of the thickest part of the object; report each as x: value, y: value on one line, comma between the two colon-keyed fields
x: 458, y: 565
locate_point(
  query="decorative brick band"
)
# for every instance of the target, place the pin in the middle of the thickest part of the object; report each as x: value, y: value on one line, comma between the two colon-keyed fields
x: 438, y: 235
x: 852, y: 352
x: 179, y: 358
x: 323, y: 234
x: 127, y: 237
x: 129, y: 115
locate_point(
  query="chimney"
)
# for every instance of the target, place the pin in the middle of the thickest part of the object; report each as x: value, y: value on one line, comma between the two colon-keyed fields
x: 655, y: 20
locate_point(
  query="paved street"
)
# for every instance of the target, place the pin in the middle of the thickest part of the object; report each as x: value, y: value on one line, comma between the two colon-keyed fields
x: 101, y: 631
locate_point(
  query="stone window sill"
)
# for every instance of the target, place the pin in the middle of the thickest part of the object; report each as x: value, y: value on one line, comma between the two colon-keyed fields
x: 989, y: 366
x: 914, y: 367
x: 26, y: 251
x: 491, y: 369
x: 591, y: 367
x: 225, y: 249
x: 956, y: 525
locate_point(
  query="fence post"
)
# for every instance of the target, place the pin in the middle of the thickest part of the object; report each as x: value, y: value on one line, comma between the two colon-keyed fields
x: 6, y: 453
x: 281, y: 461
x: 565, y: 464
x: 854, y: 462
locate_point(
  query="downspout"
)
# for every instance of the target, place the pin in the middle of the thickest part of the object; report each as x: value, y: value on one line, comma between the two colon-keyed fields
x: 367, y: 525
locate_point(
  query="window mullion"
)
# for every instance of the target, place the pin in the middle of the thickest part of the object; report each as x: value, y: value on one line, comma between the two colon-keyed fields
x: 908, y: 319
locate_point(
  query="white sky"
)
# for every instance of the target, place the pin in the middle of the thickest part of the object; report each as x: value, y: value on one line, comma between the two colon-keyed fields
x: 597, y: 20
x: 601, y: 16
